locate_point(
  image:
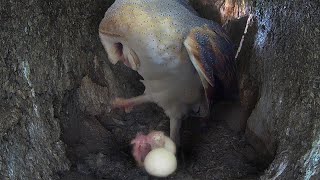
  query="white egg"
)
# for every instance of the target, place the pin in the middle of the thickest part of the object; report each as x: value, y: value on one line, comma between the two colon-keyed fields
x: 169, y: 145
x: 160, y: 162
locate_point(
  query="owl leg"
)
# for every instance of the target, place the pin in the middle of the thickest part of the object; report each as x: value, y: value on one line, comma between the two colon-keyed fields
x: 175, y: 125
x: 128, y: 104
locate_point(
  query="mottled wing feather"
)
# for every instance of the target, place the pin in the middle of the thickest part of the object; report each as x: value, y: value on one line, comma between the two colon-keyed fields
x: 212, y: 55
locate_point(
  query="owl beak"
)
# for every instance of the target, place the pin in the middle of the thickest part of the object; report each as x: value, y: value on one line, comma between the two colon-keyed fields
x: 126, y: 62
x: 130, y: 58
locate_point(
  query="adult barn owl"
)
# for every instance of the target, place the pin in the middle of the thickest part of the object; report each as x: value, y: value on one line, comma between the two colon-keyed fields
x: 187, y: 62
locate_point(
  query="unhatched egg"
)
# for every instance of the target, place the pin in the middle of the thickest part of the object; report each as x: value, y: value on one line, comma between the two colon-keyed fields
x: 160, y: 162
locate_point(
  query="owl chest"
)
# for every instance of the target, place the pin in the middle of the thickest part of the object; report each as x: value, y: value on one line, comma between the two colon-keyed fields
x: 173, y: 85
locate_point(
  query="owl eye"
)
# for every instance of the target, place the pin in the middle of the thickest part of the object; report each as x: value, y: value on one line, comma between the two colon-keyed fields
x: 119, y: 49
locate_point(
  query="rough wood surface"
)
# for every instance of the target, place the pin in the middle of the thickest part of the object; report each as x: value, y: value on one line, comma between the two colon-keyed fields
x: 55, y: 120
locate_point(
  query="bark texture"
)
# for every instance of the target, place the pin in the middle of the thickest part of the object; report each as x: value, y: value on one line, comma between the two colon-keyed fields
x: 56, y: 86
x: 46, y: 49
x: 285, y: 63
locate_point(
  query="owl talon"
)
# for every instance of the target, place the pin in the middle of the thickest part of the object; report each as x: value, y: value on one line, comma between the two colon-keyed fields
x: 128, y: 109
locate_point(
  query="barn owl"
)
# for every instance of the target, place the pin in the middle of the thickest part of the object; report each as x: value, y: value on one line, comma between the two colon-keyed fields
x: 187, y: 62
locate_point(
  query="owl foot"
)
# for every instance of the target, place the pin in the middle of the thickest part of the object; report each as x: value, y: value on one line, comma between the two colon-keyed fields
x: 204, y: 124
x: 122, y: 103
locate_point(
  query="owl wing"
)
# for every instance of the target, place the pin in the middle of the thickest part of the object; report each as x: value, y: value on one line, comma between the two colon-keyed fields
x: 212, y: 54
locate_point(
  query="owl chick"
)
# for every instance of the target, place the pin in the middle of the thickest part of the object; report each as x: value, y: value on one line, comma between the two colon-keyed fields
x: 143, y: 144
x: 187, y: 62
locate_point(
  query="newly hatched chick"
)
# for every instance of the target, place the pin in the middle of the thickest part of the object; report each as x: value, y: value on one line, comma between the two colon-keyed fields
x: 143, y: 144
x: 141, y: 147
x: 187, y: 62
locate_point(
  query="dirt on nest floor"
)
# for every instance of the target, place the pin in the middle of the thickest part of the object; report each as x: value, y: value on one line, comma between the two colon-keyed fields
x: 100, y: 149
